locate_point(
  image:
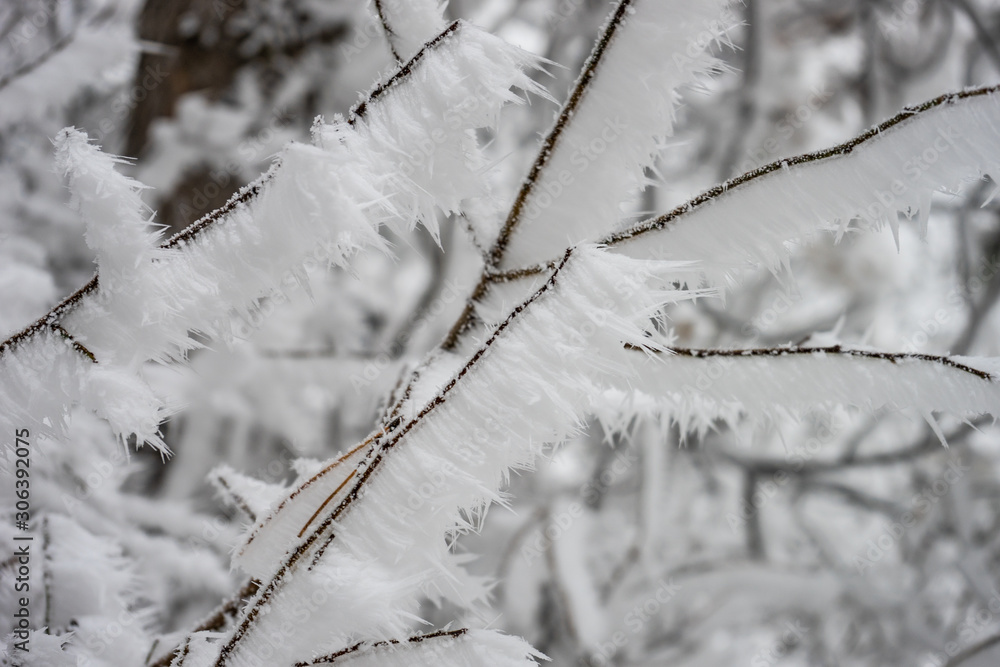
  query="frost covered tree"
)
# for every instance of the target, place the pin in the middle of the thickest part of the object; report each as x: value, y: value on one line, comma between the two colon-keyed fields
x: 417, y: 299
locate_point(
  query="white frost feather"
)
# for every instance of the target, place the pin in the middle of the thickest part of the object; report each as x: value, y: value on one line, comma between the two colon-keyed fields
x: 452, y: 461
x: 895, y: 172
x: 150, y: 297
x: 614, y: 134
x: 694, y: 391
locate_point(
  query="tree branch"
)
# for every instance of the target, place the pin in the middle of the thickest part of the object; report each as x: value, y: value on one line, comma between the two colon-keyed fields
x: 545, y: 153
x: 331, y: 658
x: 383, y: 442
x: 894, y: 357
x: 389, y: 32
x: 243, y: 197
x: 551, y: 141
x: 747, y: 179
x: 843, y: 149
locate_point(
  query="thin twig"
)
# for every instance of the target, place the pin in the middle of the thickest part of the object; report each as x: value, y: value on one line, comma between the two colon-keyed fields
x: 397, y: 405
x: 743, y: 180
x: 237, y: 499
x: 430, y: 294
x: 928, y: 445
x: 332, y: 657
x: 403, y: 72
x: 855, y: 497
x: 843, y: 149
x: 77, y: 345
x: 313, y: 480
x: 389, y: 32
x: 561, y: 594
x: 510, y: 550
x: 551, y: 141
x: 542, y: 158
x: 894, y: 357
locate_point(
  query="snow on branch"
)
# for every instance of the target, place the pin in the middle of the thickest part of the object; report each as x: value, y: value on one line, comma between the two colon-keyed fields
x: 460, y: 90
x: 409, y: 23
x: 433, y: 470
x: 695, y: 387
x: 891, y: 169
x: 607, y: 134
x: 318, y: 205
x: 621, y: 107
x: 450, y: 647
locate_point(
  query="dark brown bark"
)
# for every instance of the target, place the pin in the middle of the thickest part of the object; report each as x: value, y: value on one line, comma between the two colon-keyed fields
x: 187, y: 63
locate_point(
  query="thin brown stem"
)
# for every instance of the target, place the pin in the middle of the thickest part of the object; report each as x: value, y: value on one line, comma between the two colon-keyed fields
x: 315, y: 478
x: 237, y: 499
x: 79, y: 347
x: 389, y: 32
x: 744, y: 180
x: 417, y: 639
x: 403, y: 72
x: 894, y: 357
x: 661, y: 222
x: 551, y: 141
x: 545, y: 152
x: 326, y: 502
x: 404, y: 396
